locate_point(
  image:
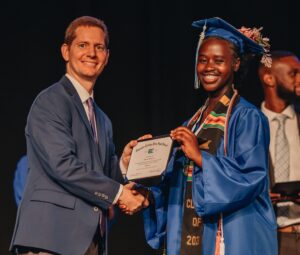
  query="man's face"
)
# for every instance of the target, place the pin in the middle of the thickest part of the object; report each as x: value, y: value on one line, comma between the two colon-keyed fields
x: 87, y: 55
x: 287, y: 74
x: 216, y: 65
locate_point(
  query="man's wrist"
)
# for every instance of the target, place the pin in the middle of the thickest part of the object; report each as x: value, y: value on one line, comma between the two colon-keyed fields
x: 119, y: 194
x: 123, y: 168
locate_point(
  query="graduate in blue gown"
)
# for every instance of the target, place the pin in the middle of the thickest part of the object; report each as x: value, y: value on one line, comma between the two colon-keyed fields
x: 218, y: 176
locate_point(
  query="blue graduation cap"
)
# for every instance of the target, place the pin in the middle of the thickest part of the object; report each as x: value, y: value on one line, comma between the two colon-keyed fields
x: 247, y: 40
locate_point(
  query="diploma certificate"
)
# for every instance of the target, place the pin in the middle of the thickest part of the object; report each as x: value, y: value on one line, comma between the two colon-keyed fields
x: 149, y: 157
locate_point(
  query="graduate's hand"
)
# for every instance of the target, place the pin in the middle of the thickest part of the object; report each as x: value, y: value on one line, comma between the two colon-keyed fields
x: 145, y: 204
x: 126, y: 155
x: 130, y: 202
x: 188, y: 142
x: 145, y: 193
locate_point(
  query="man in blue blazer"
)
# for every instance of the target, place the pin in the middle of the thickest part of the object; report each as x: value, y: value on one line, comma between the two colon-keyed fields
x: 74, y: 173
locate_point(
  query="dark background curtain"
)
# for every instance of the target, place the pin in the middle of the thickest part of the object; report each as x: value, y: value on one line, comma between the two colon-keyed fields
x: 147, y: 86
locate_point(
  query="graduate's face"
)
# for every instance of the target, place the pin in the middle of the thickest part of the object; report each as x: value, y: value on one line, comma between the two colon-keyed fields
x: 216, y: 65
x: 286, y: 71
x: 87, y: 55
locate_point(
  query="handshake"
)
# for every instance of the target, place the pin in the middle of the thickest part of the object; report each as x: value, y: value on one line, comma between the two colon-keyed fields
x: 132, y: 200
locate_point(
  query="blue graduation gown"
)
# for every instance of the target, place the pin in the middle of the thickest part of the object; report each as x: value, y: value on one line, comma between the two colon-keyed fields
x: 235, y: 185
x: 20, y: 177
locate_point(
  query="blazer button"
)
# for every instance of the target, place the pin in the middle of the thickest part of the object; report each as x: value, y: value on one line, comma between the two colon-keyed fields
x: 96, y: 209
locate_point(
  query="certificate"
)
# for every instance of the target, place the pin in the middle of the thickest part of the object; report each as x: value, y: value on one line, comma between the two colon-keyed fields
x: 149, y: 157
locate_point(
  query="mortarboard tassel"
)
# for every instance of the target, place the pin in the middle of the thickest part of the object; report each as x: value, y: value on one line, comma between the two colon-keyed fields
x: 201, y: 38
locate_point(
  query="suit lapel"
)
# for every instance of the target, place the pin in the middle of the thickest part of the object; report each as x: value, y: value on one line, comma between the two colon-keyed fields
x: 76, y: 99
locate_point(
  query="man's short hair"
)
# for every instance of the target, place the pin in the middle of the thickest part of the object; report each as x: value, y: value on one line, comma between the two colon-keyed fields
x: 88, y: 21
x: 277, y: 54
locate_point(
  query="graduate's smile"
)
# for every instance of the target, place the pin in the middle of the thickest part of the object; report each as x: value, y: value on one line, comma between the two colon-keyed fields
x: 210, y: 77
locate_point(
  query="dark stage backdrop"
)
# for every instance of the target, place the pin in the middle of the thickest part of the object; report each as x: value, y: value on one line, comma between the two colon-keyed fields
x: 146, y: 87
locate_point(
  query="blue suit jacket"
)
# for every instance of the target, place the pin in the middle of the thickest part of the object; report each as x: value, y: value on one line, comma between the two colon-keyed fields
x: 70, y: 176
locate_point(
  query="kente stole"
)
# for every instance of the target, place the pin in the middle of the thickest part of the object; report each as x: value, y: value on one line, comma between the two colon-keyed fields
x: 209, y: 133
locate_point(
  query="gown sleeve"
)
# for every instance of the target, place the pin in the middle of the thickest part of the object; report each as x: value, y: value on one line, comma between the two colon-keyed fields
x: 228, y: 183
x: 20, y: 177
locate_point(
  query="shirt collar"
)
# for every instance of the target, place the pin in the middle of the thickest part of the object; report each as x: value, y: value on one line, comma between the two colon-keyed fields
x: 288, y: 111
x: 82, y: 92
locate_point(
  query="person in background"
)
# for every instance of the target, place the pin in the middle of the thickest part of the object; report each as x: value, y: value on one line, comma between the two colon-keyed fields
x: 281, y: 86
x: 214, y: 197
x: 75, y: 177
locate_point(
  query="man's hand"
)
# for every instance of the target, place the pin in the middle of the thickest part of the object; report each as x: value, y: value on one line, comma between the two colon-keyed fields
x: 131, y: 201
x: 297, y: 199
x: 126, y: 155
x: 275, y: 197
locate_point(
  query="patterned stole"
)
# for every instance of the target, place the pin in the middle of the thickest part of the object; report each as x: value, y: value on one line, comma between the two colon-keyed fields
x: 209, y: 135
x: 192, y: 226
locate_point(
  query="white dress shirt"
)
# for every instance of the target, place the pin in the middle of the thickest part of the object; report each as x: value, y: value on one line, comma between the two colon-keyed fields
x: 293, y: 137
